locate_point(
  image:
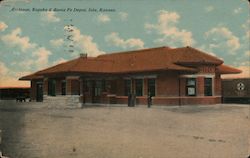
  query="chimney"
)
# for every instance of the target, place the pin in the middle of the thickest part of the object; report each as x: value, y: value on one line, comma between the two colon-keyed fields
x: 83, y: 55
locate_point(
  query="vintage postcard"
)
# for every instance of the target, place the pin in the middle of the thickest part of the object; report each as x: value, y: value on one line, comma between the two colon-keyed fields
x: 124, y: 79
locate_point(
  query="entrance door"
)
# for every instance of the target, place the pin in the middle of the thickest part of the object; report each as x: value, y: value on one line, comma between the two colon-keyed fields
x: 96, y: 91
x: 39, y: 92
x: 52, y: 87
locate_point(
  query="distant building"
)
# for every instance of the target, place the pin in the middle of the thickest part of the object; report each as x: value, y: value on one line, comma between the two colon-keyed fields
x: 14, y: 92
x: 172, y: 76
x: 236, y: 90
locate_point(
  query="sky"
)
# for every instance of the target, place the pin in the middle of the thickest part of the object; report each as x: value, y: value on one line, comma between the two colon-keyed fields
x: 35, y: 34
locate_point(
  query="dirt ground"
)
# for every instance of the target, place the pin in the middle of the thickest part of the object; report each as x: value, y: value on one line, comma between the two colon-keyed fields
x: 31, y: 130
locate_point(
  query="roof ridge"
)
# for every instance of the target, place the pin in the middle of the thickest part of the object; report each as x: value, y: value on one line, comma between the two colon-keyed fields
x: 205, y: 53
x: 135, y: 51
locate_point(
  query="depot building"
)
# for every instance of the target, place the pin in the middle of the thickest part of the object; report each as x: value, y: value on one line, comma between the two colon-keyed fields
x: 172, y: 76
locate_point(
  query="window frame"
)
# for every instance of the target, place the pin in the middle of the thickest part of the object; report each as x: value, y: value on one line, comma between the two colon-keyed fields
x: 208, y: 86
x: 148, y: 84
x: 127, y: 87
x: 136, y: 87
x: 191, y: 86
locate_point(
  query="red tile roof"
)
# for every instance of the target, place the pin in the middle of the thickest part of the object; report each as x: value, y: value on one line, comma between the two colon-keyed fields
x: 31, y: 77
x: 153, y: 59
x: 225, y: 69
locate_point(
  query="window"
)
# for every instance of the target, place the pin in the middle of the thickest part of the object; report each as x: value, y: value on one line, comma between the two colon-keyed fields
x: 191, y: 87
x: 139, y: 87
x: 127, y: 87
x: 52, y: 87
x: 104, y: 88
x: 88, y: 85
x: 98, y: 88
x: 208, y: 87
x: 151, y: 87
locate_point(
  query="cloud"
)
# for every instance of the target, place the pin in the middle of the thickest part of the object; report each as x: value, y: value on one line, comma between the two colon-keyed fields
x: 114, y: 39
x: 12, y: 81
x: 123, y: 16
x: 170, y: 33
x: 41, y: 55
x: 246, y: 24
x: 6, y: 79
x: 222, y: 37
x: 14, y: 39
x: 103, y: 18
x: 59, y: 61
x: 3, y: 26
x: 209, y: 8
x: 247, y: 53
x: 84, y: 43
x: 49, y: 17
x: 237, y: 10
x: 56, y: 42
x: 38, y: 59
x: 3, y: 69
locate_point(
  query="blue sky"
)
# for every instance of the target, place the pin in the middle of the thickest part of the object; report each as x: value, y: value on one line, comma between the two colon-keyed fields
x: 34, y: 39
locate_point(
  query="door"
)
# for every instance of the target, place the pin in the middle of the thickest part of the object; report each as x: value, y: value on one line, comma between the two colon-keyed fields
x: 52, y: 87
x: 39, y: 92
x: 96, y: 91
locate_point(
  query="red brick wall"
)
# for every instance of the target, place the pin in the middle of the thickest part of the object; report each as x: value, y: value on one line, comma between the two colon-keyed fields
x: 217, y: 85
x: 145, y: 87
x: 183, y: 86
x: 119, y: 87
x: 45, y: 86
x: 58, y: 86
x: 200, y: 86
x: 68, y: 86
x: 167, y: 85
x: 72, y: 86
x: 33, y: 90
x: 75, y: 87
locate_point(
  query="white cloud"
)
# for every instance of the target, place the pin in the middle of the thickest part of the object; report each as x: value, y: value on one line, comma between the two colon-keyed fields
x: 247, y: 53
x: 123, y: 16
x: 14, y: 39
x: 49, y: 17
x: 114, y: 39
x: 41, y: 55
x: 237, y: 10
x: 3, y: 26
x: 56, y: 42
x: 85, y: 43
x: 6, y: 79
x: 12, y: 81
x: 59, y: 61
x: 3, y: 69
x: 166, y: 27
x: 246, y: 25
x: 223, y: 37
x: 209, y: 8
x: 103, y: 18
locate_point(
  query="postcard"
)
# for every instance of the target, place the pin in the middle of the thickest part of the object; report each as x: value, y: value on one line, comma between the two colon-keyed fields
x: 124, y: 79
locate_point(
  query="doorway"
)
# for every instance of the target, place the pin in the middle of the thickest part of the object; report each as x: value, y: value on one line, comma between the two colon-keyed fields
x: 39, y: 92
x: 96, y: 91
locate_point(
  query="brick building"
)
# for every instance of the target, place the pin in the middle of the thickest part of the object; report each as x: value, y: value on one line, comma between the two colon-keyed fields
x: 172, y: 76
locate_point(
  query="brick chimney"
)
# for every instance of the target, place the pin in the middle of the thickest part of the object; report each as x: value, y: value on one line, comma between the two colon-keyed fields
x: 83, y: 55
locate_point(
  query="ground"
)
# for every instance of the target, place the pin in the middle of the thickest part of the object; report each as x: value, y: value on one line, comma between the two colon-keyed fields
x: 32, y: 130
